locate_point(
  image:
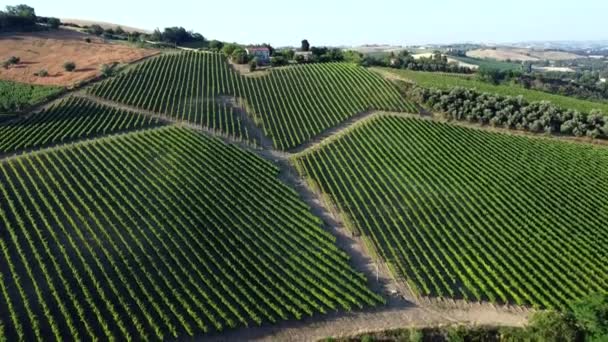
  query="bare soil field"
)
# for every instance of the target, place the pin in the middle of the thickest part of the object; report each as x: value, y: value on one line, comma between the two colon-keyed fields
x: 518, y: 54
x: 49, y: 50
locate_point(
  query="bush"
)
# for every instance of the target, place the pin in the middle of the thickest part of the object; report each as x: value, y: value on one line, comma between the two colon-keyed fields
x: 591, y: 313
x: 253, y: 65
x: 88, y: 40
x: 14, y: 60
x: 42, y: 73
x: 106, y: 70
x: 69, y: 66
x: 553, y: 326
x: 54, y: 23
x: 239, y: 56
x: 278, y: 61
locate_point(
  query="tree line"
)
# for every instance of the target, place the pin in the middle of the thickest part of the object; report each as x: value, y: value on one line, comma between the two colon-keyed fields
x: 510, y: 112
x: 404, y: 60
x: 24, y: 18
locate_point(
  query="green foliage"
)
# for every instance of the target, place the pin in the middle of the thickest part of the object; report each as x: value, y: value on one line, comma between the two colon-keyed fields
x: 277, y: 61
x: 253, y: 64
x: 159, y: 235
x: 465, y: 213
x: 54, y: 23
x: 448, y: 81
x: 15, y: 97
x: 416, y: 335
x: 239, y: 56
x: 552, y: 326
x: 509, y: 112
x: 72, y: 119
x: 216, y: 45
x: 591, y: 313
x: 229, y: 48
x: 305, y: 45
x: 107, y: 70
x: 291, y: 104
x: 96, y: 30
x: 69, y: 66
x: 13, y: 60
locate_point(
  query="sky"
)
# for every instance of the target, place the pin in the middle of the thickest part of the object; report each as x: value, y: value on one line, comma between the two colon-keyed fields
x: 351, y: 23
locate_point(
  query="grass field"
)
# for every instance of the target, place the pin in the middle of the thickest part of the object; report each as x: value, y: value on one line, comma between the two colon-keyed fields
x: 157, y: 235
x: 292, y: 104
x: 489, y: 63
x: 68, y: 120
x: 465, y: 213
x: 15, y: 97
x: 444, y: 81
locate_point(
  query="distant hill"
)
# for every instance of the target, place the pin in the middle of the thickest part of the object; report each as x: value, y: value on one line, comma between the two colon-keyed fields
x: 521, y: 54
x: 103, y: 24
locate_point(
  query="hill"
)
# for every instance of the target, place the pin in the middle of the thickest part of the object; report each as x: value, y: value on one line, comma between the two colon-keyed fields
x: 156, y: 235
x: 463, y: 213
x: 521, y: 54
x: 49, y: 50
x: 291, y: 104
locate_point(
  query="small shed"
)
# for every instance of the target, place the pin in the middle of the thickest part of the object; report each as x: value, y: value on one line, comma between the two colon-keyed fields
x: 306, y: 55
x: 260, y: 52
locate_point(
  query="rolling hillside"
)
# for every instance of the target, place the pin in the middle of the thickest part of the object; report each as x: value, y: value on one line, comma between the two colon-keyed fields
x: 158, y: 235
x: 463, y: 213
x: 292, y: 104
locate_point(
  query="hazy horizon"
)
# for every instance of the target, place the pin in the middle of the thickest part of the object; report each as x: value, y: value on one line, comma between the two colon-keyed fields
x: 353, y: 23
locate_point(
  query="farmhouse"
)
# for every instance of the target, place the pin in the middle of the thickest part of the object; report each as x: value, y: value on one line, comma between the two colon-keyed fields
x: 306, y: 55
x: 260, y: 52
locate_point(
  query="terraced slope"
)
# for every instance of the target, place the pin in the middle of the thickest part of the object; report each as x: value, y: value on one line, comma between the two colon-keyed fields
x: 464, y: 213
x: 159, y: 234
x: 72, y: 119
x: 292, y: 104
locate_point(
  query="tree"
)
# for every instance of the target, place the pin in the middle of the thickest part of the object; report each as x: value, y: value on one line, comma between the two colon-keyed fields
x: 156, y: 35
x: 23, y: 11
x: 239, y: 56
x: 228, y: 49
x: 53, y: 23
x: 216, y: 45
x: 305, y: 45
x: 96, y: 30
x: 69, y: 66
x: 553, y: 326
x: 278, y: 61
x: 14, y: 60
x: 119, y: 30
x: 591, y: 313
x: 106, y: 70
x: 253, y: 64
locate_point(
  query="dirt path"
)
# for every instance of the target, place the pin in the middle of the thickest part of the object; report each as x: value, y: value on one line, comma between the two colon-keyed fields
x: 402, y: 308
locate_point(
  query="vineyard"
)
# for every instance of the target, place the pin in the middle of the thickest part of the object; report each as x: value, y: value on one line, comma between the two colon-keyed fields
x: 465, y: 213
x: 159, y: 234
x: 69, y: 120
x: 291, y: 104
x: 14, y: 96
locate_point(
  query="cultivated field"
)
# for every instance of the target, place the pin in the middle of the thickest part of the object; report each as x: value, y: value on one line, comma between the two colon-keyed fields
x: 291, y: 104
x: 65, y: 121
x: 14, y: 97
x: 517, y: 54
x: 446, y: 81
x: 464, y: 213
x: 157, y: 235
x: 50, y: 50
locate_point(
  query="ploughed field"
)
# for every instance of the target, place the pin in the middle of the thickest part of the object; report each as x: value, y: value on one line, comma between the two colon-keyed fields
x: 465, y: 213
x: 291, y: 104
x: 159, y: 234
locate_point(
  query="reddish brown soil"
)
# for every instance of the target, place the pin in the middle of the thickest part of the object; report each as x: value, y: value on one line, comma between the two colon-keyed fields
x: 49, y: 50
